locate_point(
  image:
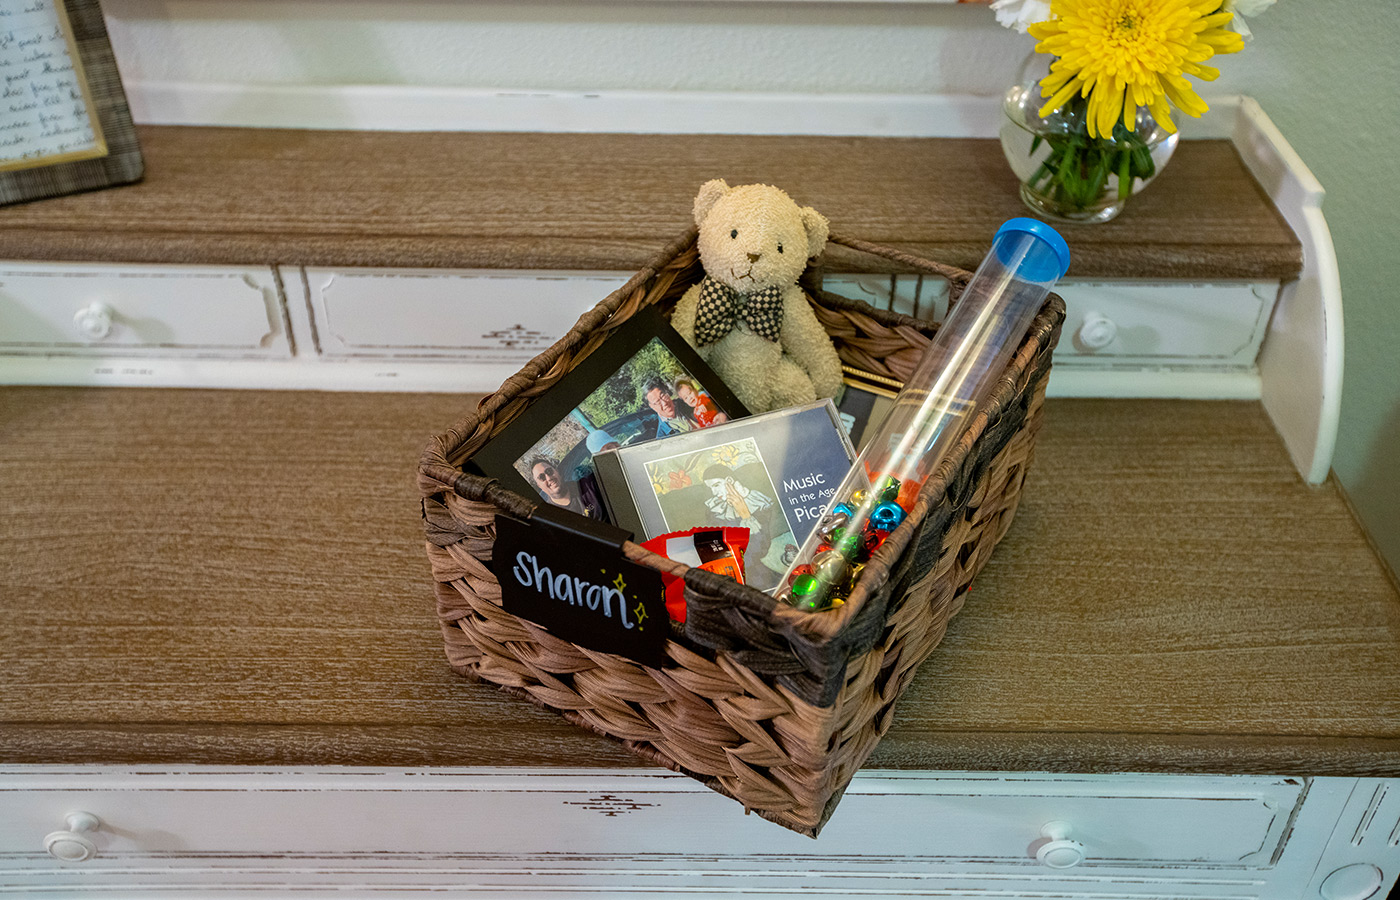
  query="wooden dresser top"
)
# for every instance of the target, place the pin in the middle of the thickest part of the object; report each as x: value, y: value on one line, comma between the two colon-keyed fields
x: 610, y: 201
x: 238, y: 577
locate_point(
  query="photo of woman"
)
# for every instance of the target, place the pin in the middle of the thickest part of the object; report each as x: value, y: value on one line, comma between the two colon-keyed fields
x: 651, y: 396
x: 580, y: 496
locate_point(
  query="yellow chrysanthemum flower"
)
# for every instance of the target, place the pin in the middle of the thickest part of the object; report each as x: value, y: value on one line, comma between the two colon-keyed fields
x: 1122, y: 54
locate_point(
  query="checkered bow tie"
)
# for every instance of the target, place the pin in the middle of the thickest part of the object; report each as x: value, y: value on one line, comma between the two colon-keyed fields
x: 721, y: 307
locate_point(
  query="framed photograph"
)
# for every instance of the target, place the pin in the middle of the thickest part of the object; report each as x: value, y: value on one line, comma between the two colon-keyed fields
x: 772, y: 473
x: 645, y: 383
x: 864, y: 401
x: 64, y: 122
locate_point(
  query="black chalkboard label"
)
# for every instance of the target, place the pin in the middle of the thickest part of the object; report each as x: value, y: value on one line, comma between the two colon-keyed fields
x: 575, y: 583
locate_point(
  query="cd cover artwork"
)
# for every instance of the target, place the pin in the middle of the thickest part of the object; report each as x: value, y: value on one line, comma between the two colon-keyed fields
x: 727, y: 485
x: 772, y: 474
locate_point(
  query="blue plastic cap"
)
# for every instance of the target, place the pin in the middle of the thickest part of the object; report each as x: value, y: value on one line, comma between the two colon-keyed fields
x: 1049, y: 259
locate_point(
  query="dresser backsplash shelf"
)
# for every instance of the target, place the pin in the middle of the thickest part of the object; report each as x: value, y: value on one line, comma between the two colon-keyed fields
x: 250, y: 258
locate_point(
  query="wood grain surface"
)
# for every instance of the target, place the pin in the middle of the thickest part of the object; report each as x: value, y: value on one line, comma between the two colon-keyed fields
x: 237, y: 577
x: 610, y: 201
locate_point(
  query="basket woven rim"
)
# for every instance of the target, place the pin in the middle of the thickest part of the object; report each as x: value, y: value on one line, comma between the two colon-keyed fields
x: 439, y: 472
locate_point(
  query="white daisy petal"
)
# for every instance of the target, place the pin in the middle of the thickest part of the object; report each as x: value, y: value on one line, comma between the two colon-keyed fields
x: 1248, y: 7
x: 1021, y: 14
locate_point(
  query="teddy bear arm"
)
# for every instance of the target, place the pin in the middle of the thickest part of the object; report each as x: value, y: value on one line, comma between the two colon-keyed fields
x: 683, y: 317
x: 808, y: 343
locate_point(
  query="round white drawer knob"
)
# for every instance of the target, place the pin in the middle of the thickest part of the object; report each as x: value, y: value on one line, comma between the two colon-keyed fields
x: 1058, y: 851
x: 73, y: 845
x: 1354, y: 882
x: 94, y: 321
x: 1097, y: 332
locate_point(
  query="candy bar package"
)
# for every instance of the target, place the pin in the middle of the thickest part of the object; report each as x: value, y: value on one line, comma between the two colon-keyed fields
x: 772, y: 474
x: 718, y: 550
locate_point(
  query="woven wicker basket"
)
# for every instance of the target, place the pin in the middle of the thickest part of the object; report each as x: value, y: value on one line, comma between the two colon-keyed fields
x: 768, y: 705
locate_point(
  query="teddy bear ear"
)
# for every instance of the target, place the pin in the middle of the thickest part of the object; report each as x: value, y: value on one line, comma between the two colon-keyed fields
x: 818, y: 229
x: 709, y: 195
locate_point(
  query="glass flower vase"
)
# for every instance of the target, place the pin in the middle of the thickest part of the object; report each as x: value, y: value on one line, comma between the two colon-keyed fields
x: 1065, y: 174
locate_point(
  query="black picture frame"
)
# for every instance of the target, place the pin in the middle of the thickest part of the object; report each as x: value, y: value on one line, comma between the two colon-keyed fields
x: 113, y: 156
x: 498, y: 457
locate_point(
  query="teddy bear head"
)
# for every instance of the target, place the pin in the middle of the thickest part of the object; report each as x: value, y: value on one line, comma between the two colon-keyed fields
x: 755, y: 236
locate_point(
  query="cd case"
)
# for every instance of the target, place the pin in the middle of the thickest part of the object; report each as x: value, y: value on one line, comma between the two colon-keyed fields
x: 772, y: 474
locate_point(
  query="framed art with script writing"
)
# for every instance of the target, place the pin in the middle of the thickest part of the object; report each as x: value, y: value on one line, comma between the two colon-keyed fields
x: 64, y: 122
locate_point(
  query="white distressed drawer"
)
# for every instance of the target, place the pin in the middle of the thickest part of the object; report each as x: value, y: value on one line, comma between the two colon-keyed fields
x: 644, y: 831
x: 123, y: 310
x: 1168, y: 324
x: 486, y: 316
x: 1120, y: 323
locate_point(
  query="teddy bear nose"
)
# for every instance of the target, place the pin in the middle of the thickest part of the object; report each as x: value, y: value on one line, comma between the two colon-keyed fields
x: 753, y: 257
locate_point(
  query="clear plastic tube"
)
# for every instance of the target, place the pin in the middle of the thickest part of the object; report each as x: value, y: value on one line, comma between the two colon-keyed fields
x: 968, y: 354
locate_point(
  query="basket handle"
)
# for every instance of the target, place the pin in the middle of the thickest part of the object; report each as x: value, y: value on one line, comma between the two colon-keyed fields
x: 959, y: 277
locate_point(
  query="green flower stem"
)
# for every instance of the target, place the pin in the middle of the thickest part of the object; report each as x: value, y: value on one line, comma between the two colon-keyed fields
x: 1075, y: 174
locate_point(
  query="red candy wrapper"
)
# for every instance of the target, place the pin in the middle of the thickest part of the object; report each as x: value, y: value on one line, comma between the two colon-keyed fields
x: 718, y: 550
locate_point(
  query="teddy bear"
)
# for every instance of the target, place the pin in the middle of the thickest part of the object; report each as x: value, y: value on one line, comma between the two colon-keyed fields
x: 748, y: 318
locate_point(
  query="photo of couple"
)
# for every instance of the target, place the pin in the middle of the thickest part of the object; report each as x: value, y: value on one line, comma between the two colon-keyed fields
x: 651, y: 396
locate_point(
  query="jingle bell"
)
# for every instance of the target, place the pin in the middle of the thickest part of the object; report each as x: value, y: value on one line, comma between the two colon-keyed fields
x: 871, y: 539
x: 847, y: 543
x: 852, y: 579
x: 798, y: 572
x: 886, y: 517
x: 804, y: 587
x: 831, y: 569
x: 831, y: 523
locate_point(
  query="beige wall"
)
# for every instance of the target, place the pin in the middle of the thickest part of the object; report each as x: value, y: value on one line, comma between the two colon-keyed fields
x: 1327, y: 74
